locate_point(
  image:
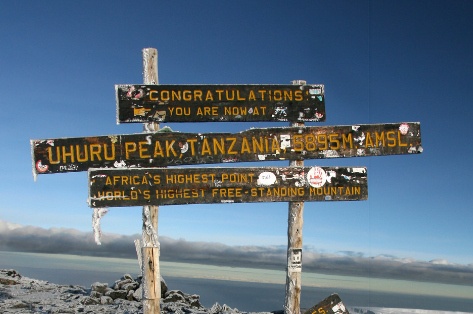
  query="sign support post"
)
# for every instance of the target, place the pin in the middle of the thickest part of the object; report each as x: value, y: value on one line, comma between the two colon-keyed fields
x: 294, y: 244
x: 150, y: 250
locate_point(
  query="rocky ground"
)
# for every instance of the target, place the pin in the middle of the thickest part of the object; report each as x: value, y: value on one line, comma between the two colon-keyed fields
x: 20, y: 294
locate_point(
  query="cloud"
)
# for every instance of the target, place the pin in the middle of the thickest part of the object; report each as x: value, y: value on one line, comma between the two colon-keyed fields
x: 19, y: 238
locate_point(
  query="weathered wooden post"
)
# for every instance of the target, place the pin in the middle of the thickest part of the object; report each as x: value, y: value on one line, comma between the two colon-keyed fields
x: 151, y: 284
x: 294, y: 243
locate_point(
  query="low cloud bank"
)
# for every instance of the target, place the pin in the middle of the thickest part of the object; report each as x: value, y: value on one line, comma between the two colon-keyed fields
x: 19, y: 238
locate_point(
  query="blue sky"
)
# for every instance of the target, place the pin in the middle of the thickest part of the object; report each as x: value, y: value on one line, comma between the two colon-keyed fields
x: 380, y: 62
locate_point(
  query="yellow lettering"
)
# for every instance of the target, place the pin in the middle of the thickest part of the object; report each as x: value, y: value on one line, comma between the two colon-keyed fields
x: 144, y: 150
x: 130, y: 147
x: 95, y: 150
x: 158, y: 150
x: 391, y: 135
x: 232, y: 141
x: 274, y: 145
x: 347, y: 138
x: 165, y: 95
x: 334, y: 141
x: 399, y: 139
x: 67, y: 154
x: 105, y: 152
x: 369, y: 140
x: 170, y: 148
x: 277, y: 95
x: 82, y: 156
x: 257, y: 146
x: 262, y: 93
x: 205, y: 147
x: 176, y: 95
x: 379, y: 139
x: 298, y: 144
x: 228, y: 96
x: 151, y: 95
x: 198, y: 95
x: 209, y: 96
x: 50, y: 156
x: 192, y: 141
x: 245, y: 146
x: 186, y: 95
x: 219, y: 147
x: 238, y: 96
x: 287, y: 95
x: 322, y: 139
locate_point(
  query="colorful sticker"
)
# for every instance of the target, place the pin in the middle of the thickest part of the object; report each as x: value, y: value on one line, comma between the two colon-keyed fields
x: 40, y: 167
x: 404, y: 128
x: 316, y: 177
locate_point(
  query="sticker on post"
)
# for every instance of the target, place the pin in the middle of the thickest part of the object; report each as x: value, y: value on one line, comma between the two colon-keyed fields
x: 295, y: 261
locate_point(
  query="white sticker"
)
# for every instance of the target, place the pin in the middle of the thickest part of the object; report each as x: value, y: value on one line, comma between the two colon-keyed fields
x: 266, y: 178
x: 295, y: 262
x: 316, y: 177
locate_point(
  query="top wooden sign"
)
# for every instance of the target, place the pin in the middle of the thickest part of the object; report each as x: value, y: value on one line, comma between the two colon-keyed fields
x: 219, y: 103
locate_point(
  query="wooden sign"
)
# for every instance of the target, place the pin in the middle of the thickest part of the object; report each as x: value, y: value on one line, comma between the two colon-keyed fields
x: 331, y: 305
x: 175, y: 148
x: 173, y: 186
x: 219, y: 103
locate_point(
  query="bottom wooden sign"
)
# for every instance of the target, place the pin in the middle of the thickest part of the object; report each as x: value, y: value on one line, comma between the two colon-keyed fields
x: 330, y: 305
x: 173, y: 186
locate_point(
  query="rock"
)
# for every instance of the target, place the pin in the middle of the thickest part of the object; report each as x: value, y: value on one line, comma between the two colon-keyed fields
x: 138, y: 294
x: 117, y: 294
x: 99, y: 287
x: 106, y: 300
x: 9, y: 277
x: 90, y: 300
x: 174, y: 296
x: 164, y: 287
x: 130, y: 286
x: 194, y: 301
x: 129, y: 296
x: 120, y: 283
x: 127, y: 276
x: 95, y: 294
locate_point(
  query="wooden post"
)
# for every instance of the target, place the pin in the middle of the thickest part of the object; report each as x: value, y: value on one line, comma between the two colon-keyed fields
x: 151, y: 283
x: 294, y: 244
